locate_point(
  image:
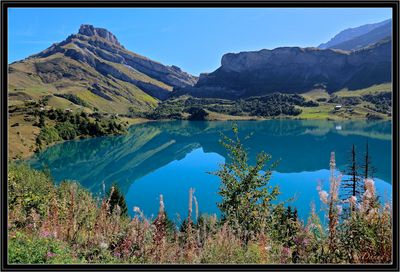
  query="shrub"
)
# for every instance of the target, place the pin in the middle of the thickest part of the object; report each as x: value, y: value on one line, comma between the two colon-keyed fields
x: 197, y: 114
x: 28, y: 190
x: 74, y: 99
x: 66, y: 130
x: 246, y: 196
x: 27, y: 249
x: 47, y: 135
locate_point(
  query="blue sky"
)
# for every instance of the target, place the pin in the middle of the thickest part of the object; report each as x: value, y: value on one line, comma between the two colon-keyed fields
x: 193, y: 39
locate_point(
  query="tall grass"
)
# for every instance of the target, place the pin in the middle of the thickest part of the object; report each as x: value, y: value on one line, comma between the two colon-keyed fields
x: 66, y: 224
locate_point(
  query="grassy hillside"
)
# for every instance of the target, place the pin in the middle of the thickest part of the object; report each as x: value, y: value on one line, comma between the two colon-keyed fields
x: 375, y: 89
x: 94, y: 69
x: 356, y: 104
x: 33, y: 126
x: 33, y: 79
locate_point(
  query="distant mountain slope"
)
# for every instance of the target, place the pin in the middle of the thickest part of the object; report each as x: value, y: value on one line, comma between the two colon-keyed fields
x: 372, y: 37
x: 295, y: 70
x: 94, y: 67
x: 353, y: 33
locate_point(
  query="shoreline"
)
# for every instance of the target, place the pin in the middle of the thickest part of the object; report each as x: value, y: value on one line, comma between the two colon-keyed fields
x: 137, y: 121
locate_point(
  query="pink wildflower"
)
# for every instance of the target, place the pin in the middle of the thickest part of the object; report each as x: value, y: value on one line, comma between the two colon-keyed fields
x: 45, y: 233
x: 339, y: 209
x: 323, y: 195
x: 353, y: 200
x: 50, y: 254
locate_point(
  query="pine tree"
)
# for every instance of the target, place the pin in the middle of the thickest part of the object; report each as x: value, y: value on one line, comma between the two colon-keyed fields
x: 41, y: 120
x: 351, y: 186
x: 246, y: 196
x: 366, y: 167
x: 117, y: 198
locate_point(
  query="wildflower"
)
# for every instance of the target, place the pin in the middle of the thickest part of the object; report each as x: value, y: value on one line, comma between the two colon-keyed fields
x: 50, y: 254
x: 369, y: 184
x: 339, y: 209
x: 103, y: 245
x: 162, y: 207
x: 285, y: 254
x: 136, y: 209
x: 372, y: 212
x: 368, y: 194
x: 286, y: 251
x: 268, y: 248
x: 323, y: 195
x: 45, y: 233
x: 117, y: 254
x: 353, y: 200
x: 387, y: 207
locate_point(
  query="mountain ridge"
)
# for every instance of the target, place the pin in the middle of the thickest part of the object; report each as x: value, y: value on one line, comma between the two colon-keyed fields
x: 95, y: 67
x: 351, y: 33
x: 295, y: 70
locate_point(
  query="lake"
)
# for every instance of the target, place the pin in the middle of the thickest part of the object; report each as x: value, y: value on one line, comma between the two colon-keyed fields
x: 171, y: 157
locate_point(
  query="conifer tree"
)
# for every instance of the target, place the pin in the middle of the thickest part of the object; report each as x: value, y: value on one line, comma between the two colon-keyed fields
x: 352, y: 185
x: 247, y: 197
x: 366, y: 166
x: 116, y: 197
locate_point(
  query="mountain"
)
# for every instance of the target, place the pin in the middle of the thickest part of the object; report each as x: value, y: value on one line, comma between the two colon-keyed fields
x: 358, y: 37
x: 370, y: 38
x: 92, y: 69
x: 295, y: 70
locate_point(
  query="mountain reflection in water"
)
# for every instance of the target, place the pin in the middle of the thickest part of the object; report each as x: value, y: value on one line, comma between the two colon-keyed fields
x: 160, y: 152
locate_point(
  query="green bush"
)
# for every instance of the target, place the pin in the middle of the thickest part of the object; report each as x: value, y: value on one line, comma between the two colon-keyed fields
x: 32, y: 249
x: 66, y: 130
x: 48, y: 135
x: 223, y: 251
x: 69, y: 126
x: 28, y: 189
x: 197, y: 114
x: 246, y: 196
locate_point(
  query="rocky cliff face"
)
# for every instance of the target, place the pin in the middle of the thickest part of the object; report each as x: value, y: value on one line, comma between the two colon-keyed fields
x: 89, y: 30
x: 94, y: 60
x: 295, y: 70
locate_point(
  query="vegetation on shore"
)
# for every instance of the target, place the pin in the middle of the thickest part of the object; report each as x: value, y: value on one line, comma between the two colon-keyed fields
x: 68, y: 126
x: 372, y: 103
x: 64, y: 223
x: 34, y: 126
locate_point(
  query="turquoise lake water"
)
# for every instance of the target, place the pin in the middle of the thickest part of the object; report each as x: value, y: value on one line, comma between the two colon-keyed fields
x: 171, y: 157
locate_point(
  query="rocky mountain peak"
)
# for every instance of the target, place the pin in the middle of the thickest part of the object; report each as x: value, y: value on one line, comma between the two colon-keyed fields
x: 89, y: 30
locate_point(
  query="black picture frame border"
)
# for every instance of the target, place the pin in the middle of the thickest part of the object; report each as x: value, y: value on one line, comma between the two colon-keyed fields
x: 6, y: 4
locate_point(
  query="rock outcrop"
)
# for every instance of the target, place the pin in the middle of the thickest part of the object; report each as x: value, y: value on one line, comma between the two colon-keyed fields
x: 89, y: 30
x: 295, y: 70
